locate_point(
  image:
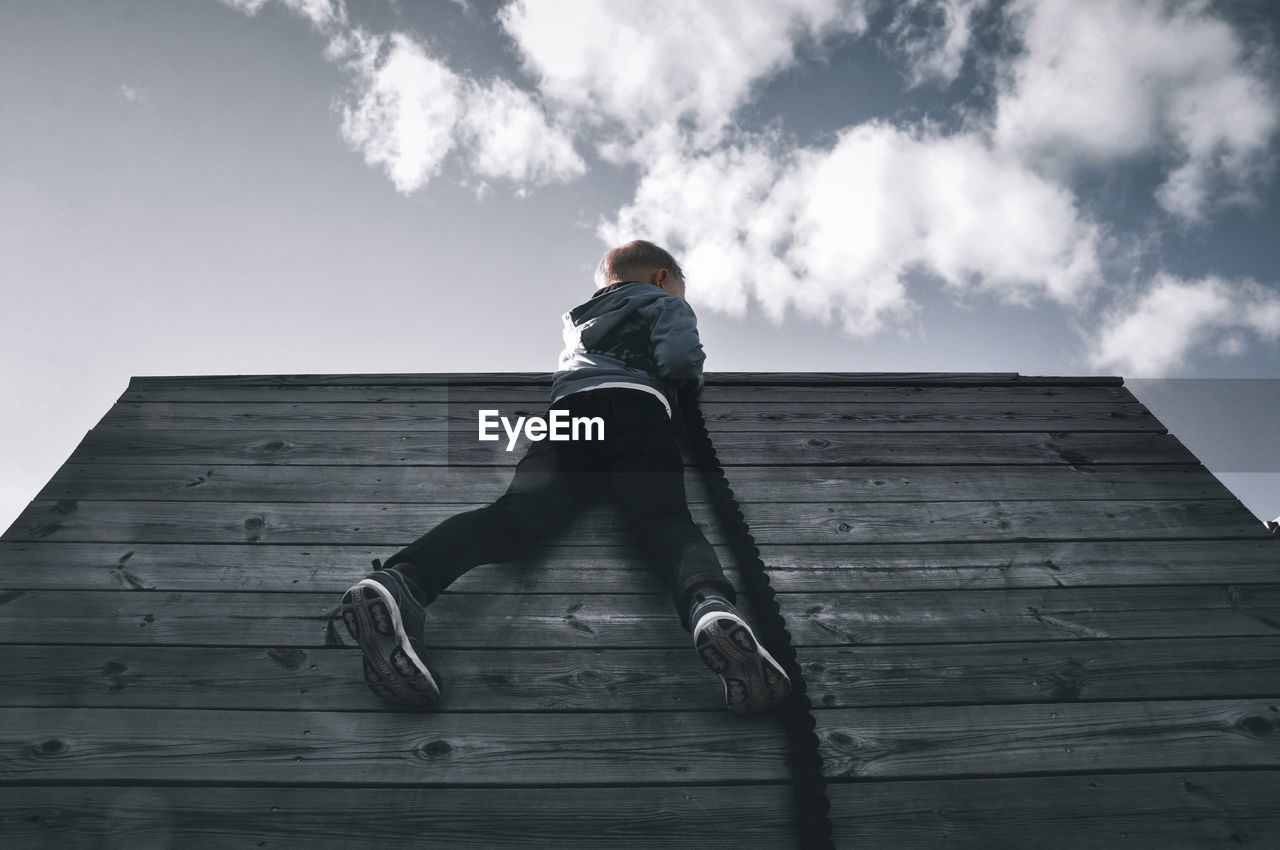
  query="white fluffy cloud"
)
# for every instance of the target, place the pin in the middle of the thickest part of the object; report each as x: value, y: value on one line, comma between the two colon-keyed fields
x: 1174, y: 317
x: 409, y: 111
x: 645, y: 67
x: 1115, y: 79
x: 934, y: 37
x: 835, y: 232
x: 405, y: 109
x: 321, y: 13
x: 508, y: 136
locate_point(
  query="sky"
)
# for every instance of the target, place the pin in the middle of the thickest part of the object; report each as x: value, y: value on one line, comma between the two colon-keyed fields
x: 1059, y: 187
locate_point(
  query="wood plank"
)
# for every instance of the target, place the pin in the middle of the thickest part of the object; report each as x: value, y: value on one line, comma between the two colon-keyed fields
x: 630, y: 817
x: 649, y: 620
x: 617, y: 569
x: 444, y: 484
x: 419, y: 748
x: 182, y: 566
x: 343, y: 448
x: 307, y: 523
x: 346, y: 379
x: 1084, y: 670
x: 1182, y: 809
x: 453, y: 378
x: 714, y: 393
x: 928, y: 616
x: 1084, y: 737
x: 291, y: 679
x: 148, y: 745
x: 464, y: 417
x: 304, y: 620
x: 1186, y: 810
x: 536, y: 680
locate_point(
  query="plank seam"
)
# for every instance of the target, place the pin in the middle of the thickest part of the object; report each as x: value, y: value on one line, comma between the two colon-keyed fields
x: 846, y: 781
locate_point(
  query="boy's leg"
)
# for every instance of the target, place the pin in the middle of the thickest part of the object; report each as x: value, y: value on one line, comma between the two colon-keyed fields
x: 385, y: 612
x: 647, y: 481
x: 540, y: 500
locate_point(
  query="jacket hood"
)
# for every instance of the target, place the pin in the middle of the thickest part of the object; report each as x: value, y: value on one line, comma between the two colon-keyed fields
x: 621, y: 298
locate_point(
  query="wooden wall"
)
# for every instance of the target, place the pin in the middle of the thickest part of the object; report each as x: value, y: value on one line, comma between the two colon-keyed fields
x: 1026, y: 614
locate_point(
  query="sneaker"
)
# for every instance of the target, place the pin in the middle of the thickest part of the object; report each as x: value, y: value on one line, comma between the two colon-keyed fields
x: 383, y: 616
x: 753, y: 680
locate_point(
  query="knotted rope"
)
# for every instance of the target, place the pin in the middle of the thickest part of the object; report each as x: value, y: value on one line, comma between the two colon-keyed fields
x: 809, y: 784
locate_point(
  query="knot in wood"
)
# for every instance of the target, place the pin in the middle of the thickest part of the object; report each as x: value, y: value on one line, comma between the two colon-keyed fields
x: 52, y: 747
x: 288, y: 658
x: 1257, y: 726
x: 436, y: 749
x: 587, y: 676
x: 842, y: 740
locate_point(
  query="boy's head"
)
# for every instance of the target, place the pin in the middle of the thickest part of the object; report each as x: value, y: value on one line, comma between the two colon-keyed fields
x: 641, y: 260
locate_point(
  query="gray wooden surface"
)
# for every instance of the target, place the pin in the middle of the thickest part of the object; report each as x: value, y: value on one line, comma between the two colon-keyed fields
x: 1026, y: 614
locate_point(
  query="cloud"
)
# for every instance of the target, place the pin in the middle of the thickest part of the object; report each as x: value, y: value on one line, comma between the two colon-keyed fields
x: 408, y: 111
x: 836, y: 232
x: 406, y: 106
x: 649, y: 68
x: 1111, y: 81
x: 323, y: 14
x: 508, y: 137
x: 933, y: 37
x: 1154, y: 336
x: 841, y: 230
x: 136, y: 95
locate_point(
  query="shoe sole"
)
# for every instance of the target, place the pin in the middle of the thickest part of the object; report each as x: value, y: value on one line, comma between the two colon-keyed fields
x: 392, y: 668
x: 753, y: 680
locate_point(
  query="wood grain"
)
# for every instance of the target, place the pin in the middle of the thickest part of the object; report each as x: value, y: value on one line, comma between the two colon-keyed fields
x: 1187, y: 810
x: 792, y: 524
x: 427, y: 448
x: 1083, y: 737
x: 715, y: 393
x: 650, y: 620
x: 406, y: 748
x: 755, y: 416
x: 581, y: 818
x: 572, y: 568
x: 466, y: 485
x: 571, y: 679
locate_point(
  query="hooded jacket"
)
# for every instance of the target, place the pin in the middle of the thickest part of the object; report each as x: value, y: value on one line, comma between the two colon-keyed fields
x: 630, y: 333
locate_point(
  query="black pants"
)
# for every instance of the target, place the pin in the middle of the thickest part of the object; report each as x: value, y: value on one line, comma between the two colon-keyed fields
x: 637, y: 466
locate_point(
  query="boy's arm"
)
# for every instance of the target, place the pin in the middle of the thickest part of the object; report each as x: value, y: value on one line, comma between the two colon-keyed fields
x: 676, y: 346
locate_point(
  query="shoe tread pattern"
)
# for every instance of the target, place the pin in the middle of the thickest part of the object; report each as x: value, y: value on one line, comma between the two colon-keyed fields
x: 390, y: 670
x: 753, y: 681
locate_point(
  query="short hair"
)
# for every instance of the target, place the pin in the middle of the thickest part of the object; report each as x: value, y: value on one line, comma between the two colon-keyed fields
x: 634, y: 259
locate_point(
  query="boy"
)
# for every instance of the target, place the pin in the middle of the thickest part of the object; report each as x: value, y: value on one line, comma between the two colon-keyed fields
x: 628, y: 349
